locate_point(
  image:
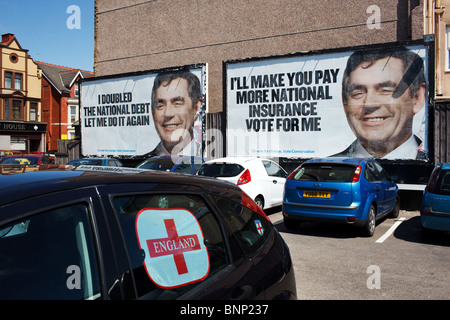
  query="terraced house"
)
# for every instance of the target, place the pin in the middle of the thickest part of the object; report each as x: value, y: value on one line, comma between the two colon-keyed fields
x: 21, y: 126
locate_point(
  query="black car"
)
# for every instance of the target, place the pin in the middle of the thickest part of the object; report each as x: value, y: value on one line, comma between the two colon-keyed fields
x: 139, y: 234
x: 173, y: 163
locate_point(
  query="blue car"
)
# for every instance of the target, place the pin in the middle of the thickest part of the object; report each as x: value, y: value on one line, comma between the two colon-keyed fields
x: 435, y: 207
x: 343, y: 190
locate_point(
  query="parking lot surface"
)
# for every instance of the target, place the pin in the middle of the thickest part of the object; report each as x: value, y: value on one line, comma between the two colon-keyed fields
x: 332, y: 262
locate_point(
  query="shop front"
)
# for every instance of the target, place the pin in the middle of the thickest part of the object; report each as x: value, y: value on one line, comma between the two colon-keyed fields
x: 21, y: 136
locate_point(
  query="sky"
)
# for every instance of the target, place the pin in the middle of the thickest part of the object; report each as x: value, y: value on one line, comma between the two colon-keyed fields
x: 59, y: 32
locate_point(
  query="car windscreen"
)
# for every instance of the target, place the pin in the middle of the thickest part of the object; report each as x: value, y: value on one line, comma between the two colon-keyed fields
x: 220, y: 169
x: 157, y: 164
x: 20, y: 160
x: 90, y: 162
x: 325, y: 172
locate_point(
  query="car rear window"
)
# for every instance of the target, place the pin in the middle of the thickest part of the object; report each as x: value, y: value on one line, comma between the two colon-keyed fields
x: 221, y: 170
x: 325, y: 172
x: 443, y: 183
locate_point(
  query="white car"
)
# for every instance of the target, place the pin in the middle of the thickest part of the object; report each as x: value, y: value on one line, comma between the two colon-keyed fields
x: 262, y: 179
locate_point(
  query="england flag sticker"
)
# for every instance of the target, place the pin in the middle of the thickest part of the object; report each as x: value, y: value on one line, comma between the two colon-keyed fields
x: 175, y: 254
x: 259, y: 227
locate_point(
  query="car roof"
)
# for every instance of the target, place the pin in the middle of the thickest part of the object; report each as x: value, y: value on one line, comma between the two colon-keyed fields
x: 30, y: 184
x: 446, y: 166
x: 346, y: 160
x: 238, y: 160
x: 94, y: 158
x: 23, y: 155
x: 173, y: 157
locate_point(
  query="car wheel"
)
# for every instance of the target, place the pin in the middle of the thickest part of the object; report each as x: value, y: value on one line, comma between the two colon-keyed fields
x: 260, y: 202
x: 396, y: 210
x: 368, y: 229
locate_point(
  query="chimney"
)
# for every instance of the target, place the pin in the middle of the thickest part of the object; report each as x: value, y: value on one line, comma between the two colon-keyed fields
x: 7, y: 37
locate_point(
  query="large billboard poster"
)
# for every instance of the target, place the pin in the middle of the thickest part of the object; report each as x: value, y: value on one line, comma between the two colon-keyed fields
x: 144, y: 114
x: 368, y: 103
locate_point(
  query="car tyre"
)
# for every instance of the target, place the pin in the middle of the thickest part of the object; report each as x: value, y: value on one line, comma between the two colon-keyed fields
x: 259, y: 201
x: 368, y: 229
x: 396, y: 210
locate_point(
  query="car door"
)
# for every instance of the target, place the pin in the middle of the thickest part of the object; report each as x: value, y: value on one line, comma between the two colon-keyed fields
x: 209, y: 265
x: 277, y: 179
x: 389, y: 188
x: 375, y: 186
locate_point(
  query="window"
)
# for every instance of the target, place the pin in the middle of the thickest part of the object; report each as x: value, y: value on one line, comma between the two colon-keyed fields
x: 14, y: 58
x: 325, y: 172
x: 8, y: 80
x: 16, y: 110
x: 221, y: 170
x: 128, y: 208
x: 18, y: 143
x: 13, y: 109
x: 18, y: 81
x: 443, y: 183
x: 447, y: 40
x: 49, y: 255
x: 33, y: 111
x: 6, y: 109
x: 374, y: 172
x: 274, y: 170
x: 13, y: 80
x: 73, y: 114
x: 250, y: 229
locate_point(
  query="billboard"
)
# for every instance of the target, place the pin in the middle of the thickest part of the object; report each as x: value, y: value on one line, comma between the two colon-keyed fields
x: 365, y: 103
x: 144, y: 114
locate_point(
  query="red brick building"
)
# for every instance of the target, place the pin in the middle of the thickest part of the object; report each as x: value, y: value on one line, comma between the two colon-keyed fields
x: 60, y: 101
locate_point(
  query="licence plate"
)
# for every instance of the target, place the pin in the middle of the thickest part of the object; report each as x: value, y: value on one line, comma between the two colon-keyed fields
x: 316, y: 194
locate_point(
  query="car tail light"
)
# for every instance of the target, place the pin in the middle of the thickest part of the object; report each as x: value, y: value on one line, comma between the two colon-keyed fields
x: 244, y: 178
x: 249, y: 203
x: 357, y: 174
x: 293, y: 173
x: 426, y: 211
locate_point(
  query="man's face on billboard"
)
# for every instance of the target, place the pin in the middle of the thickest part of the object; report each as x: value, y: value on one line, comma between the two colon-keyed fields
x: 174, y: 112
x: 374, y: 113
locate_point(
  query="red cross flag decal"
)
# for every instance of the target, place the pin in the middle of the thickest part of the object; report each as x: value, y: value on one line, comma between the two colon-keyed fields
x: 175, y: 254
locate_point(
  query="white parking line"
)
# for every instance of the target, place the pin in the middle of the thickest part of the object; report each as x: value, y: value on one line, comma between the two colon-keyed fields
x: 391, y: 230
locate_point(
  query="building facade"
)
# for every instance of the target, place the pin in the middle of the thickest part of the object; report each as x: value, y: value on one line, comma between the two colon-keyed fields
x: 437, y: 23
x: 60, y: 101
x: 247, y: 36
x: 21, y: 125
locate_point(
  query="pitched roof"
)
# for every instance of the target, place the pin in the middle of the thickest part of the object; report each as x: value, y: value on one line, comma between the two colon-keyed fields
x: 62, y: 78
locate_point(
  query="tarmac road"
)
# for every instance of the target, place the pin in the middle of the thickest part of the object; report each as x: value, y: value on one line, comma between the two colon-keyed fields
x: 332, y: 262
